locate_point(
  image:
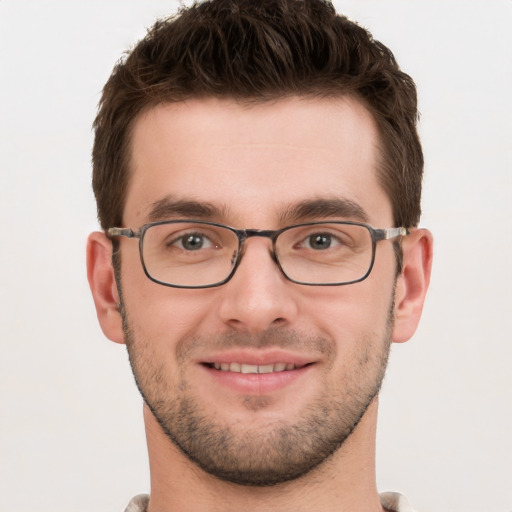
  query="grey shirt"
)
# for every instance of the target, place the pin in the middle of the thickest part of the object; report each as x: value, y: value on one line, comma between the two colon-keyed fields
x: 392, y: 501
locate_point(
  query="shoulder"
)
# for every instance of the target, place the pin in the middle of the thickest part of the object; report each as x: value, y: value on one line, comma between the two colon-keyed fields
x: 395, y: 502
x: 392, y: 501
x: 138, y: 504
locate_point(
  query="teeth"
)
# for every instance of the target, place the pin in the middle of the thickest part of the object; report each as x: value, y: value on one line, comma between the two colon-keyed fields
x: 249, y: 368
x: 253, y: 368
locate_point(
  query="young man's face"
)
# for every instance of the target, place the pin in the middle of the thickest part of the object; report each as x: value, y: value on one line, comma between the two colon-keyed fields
x: 252, y: 165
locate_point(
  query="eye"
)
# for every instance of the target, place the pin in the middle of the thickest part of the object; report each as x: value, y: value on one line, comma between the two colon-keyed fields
x: 320, y: 241
x: 192, y: 242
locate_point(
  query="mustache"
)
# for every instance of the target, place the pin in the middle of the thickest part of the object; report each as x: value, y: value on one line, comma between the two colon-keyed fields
x: 274, y: 338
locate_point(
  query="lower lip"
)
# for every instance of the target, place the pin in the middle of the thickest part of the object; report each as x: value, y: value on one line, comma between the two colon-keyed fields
x: 257, y: 383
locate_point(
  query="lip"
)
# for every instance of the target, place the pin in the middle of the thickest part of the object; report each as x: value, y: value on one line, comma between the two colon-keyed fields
x: 256, y: 383
x: 257, y: 357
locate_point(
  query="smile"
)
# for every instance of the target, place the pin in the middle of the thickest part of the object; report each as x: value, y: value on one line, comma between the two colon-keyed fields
x: 248, y: 376
x: 253, y: 368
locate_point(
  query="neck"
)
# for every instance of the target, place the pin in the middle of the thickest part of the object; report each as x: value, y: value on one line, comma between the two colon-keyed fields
x: 344, y: 482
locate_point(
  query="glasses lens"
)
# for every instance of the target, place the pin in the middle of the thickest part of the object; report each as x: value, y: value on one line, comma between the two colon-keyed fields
x: 189, y: 253
x: 327, y: 253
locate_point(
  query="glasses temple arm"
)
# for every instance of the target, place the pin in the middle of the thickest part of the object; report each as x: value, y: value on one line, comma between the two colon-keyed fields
x: 389, y: 233
x: 127, y: 232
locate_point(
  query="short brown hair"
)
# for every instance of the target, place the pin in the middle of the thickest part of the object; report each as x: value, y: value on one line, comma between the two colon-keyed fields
x: 258, y: 51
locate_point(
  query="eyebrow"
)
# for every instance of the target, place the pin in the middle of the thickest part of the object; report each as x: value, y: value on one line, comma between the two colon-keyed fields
x: 168, y: 207
x: 322, y: 208
x: 303, y: 211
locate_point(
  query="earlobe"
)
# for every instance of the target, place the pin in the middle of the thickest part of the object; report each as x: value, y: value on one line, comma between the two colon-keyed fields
x: 100, y: 275
x: 412, y: 283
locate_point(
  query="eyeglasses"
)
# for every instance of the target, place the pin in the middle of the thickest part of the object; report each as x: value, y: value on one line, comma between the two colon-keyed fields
x: 197, y: 254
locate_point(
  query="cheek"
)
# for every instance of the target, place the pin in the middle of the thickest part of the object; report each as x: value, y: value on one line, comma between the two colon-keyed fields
x: 160, y: 313
x: 355, y: 311
x: 359, y: 325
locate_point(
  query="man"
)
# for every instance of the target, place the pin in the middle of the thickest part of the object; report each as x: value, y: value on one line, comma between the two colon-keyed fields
x: 258, y: 177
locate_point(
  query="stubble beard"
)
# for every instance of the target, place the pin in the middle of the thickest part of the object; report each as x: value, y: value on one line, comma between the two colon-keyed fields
x: 275, y: 453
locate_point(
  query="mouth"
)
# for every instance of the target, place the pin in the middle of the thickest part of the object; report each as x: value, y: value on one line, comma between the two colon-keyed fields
x: 247, y: 368
x: 252, y: 372
x: 250, y: 378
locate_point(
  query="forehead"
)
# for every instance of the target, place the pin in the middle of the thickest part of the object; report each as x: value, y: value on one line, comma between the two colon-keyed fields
x: 251, y: 161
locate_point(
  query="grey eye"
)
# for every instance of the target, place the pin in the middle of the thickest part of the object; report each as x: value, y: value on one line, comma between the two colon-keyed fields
x: 320, y: 241
x: 192, y: 242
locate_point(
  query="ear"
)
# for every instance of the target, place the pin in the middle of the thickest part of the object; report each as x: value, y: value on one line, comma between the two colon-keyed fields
x: 100, y: 274
x: 412, y: 283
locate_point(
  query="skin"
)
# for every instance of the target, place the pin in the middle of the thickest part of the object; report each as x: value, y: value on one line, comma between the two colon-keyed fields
x: 253, y: 164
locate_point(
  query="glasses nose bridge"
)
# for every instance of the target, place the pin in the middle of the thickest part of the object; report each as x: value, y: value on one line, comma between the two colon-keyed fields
x: 263, y: 233
x: 245, y: 234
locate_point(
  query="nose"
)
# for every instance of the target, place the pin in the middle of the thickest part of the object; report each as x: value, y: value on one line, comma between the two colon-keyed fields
x: 258, y: 297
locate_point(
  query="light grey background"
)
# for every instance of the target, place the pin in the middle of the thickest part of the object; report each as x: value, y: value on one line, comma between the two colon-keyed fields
x: 71, y: 432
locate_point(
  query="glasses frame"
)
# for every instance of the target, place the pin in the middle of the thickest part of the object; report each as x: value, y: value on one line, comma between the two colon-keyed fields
x: 377, y: 235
